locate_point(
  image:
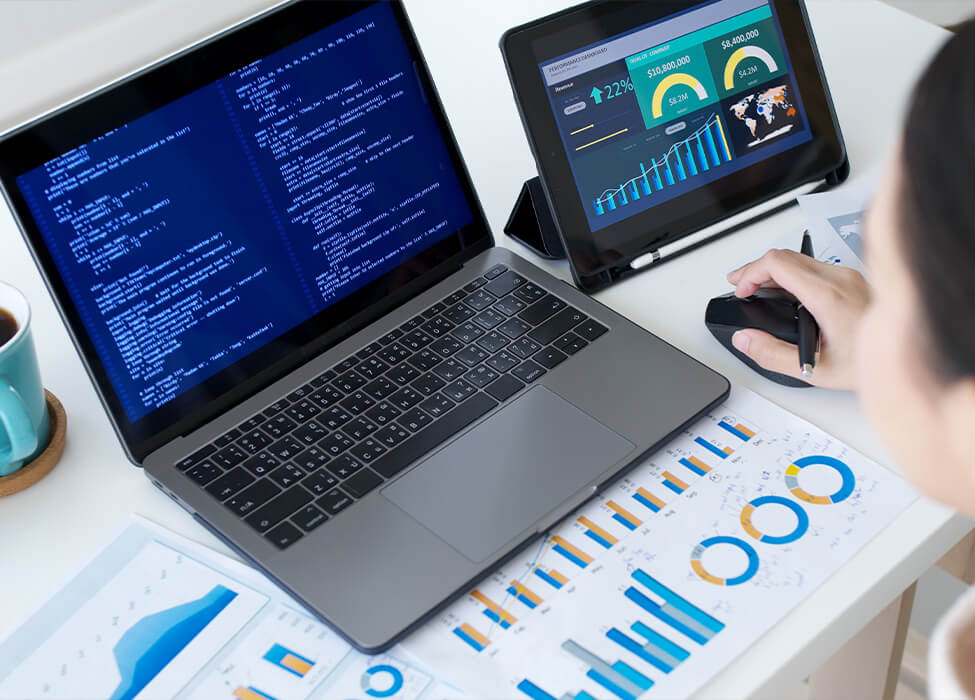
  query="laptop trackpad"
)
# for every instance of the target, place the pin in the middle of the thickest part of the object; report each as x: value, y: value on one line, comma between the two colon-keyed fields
x: 488, y: 486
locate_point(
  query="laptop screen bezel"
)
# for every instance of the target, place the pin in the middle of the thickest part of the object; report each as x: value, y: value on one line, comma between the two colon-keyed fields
x: 42, y: 140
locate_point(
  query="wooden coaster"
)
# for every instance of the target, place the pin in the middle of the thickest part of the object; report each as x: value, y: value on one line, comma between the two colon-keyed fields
x: 31, y: 473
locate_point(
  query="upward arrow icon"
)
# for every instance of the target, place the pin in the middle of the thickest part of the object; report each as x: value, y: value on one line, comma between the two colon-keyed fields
x: 597, y: 95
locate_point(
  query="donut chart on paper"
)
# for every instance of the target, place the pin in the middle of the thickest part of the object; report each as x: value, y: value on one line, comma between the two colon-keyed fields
x: 844, y: 492
x: 698, y: 565
x: 802, y: 520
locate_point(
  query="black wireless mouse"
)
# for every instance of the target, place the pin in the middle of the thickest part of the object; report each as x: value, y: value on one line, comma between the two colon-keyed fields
x: 771, y: 310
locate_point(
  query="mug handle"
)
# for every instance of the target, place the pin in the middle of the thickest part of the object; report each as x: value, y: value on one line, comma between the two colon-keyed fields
x: 15, y: 419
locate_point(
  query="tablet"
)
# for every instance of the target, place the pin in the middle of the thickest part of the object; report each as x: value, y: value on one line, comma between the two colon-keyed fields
x: 653, y: 120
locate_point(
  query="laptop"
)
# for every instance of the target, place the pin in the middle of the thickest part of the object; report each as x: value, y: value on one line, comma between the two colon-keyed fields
x: 271, y: 258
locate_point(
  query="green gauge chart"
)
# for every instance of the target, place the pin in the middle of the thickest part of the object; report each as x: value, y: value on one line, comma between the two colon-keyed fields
x: 671, y: 85
x: 746, y: 57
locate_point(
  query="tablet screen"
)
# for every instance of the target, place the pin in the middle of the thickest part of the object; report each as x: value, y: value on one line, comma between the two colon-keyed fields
x: 654, y: 113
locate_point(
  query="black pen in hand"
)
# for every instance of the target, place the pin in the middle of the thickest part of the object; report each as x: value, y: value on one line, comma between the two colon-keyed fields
x: 808, y: 328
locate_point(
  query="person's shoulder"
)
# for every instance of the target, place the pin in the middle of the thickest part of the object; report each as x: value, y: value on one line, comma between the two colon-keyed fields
x: 951, y: 661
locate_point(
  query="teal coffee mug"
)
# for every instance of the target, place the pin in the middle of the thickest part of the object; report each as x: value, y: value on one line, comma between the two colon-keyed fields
x: 25, y: 427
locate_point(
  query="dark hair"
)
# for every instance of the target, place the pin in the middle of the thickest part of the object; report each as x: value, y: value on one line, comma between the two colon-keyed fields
x: 938, y: 203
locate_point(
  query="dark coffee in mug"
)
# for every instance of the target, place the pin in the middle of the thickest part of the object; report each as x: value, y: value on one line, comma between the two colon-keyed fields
x: 8, y: 326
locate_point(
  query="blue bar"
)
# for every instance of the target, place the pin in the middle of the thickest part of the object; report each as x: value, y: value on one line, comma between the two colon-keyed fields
x: 623, y: 195
x: 623, y: 521
x: 632, y: 676
x: 693, y: 467
x: 599, y: 207
x: 708, y: 446
x: 734, y: 431
x: 673, y: 487
x: 527, y: 601
x: 469, y: 639
x: 721, y: 141
x: 660, y: 641
x: 599, y: 540
x: 680, y: 166
x: 634, y: 192
x: 611, y: 202
x: 645, y: 184
x: 276, y: 656
x: 681, y: 604
x: 655, y: 610
x: 583, y: 695
x: 712, y: 149
x: 610, y: 686
x: 548, y: 579
x: 670, y: 175
x: 649, y: 504
x: 703, y: 158
x: 637, y: 648
x: 570, y: 556
x: 533, y: 691
x: 690, y: 160
x: 497, y: 618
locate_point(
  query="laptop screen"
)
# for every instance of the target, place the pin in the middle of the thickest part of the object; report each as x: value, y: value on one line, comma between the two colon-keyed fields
x: 194, y: 235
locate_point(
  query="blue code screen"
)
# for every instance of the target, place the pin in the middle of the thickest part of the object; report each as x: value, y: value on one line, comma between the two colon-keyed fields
x: 196, y: 234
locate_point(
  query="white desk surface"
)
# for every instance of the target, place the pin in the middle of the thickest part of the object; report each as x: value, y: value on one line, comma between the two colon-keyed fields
x: 872, y: 55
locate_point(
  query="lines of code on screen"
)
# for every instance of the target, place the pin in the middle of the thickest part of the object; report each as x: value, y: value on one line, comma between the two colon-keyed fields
x: 194, y: 235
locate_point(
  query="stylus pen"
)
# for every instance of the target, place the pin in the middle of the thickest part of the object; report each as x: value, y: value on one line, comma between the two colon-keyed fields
x: 808, y: 328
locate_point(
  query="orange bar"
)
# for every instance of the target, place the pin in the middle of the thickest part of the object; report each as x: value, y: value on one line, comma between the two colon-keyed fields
x: 480, y: 638
x: 675, y: 481
x: 598, y: 530
x: 624, y: 513
x: 297, y: 665
x: 727, y: 450
x: 527, y: 592
x: 650, y: 497
x: 568, y: 546
x: 558, y: 576
x: 699, y: 464
x: 746, y: 431
x: 242, y: 693
x: 494, y: 607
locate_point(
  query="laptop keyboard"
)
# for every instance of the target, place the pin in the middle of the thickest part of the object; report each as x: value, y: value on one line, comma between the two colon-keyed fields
x: 311, y: 454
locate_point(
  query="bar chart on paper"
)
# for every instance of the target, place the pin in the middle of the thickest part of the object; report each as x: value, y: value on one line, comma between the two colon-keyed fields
x: 657, y: 584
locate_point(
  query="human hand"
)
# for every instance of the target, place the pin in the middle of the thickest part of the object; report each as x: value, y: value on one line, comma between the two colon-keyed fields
x: 835, y: 296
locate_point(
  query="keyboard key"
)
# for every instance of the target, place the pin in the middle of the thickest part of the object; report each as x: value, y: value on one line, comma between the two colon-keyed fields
x: 278, y: 508
x: 362, y: 483
x: 335, y: 444
x: 528, y: 371
x: 479, y: 300
x: 308, y: 518
x: 434, y: 310
x: 204, y: 472
x: 197, y: 456
x: 360, y: 428
x: 286, y: 448
x: 349, y: 381
x: 284, y: 535
x: 455, y: 297
x: 495, y: 271
x: 371, y: 368
x: 403, y: 374
x: 253, y: 497
x: 504, y: 388
x: 574, y: 347
x: 438, y: 327
x: 445, y: 347
x: 425, y: 360
x: 475, y: 284
x: 481, y: 376
x: 345, y: 466
x: 559, y: 324
x: 322, y: 379
x: 391, y: 336
x: 471, y: 356
x: 370, y: 349
x: 320, y: 482
x: 503, y: 361
x: 514, y: 328
x: 346, y: 364
x: 524, y: 348
x: 467, y: 332
x: 229, y: 457
x: 433, y: 435
x: 492, y: 342
x: 459, y: 391
x: 437, y: 405
x: 550, y: 357
x: 275, y: 408
x: 310, y: 433
x: 412, y: 324
x: 254, y: 441
x: 541, y: 310
x: 505, y: 284
x: 368, y: 450
x: 327, y: 396
x: 392, y: 435
x: 590, y: 329
x: 230, y: 483
x: 287, y: 475
x: 414, y: 420
x: 382, y: 413
x: 334, y: 502
x: 415, y: 341
x: 394, y: 354
x: 251, y: 423
x: 564, y: 341
x: 335, y: 417
x: 300, y: 393
x: 510, y: 306
x: 304, y: 410
x: 279, y: 426
x: 457, y: 314
x: 530, y: 293
x: 311, y: 459
x: 406, y: 398
x: 380, y: 388
x: 262, y: 463
x: 449, y: 370
x: 429, y: 383
x: 227, y: 438
x: 489, y: 318
x: 357, y: 402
